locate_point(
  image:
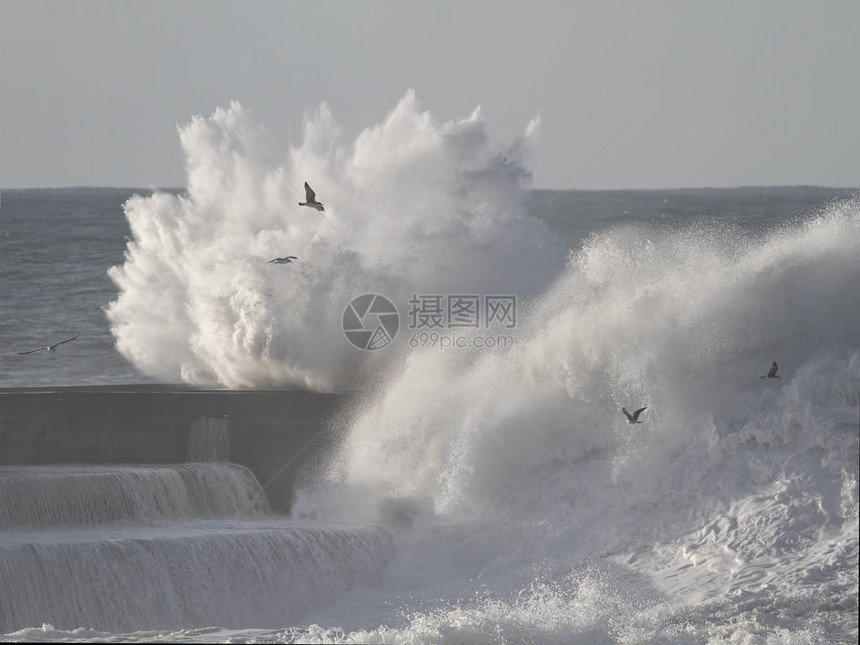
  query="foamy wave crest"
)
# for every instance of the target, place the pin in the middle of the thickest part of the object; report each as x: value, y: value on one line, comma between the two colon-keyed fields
x: 414, y: 204
x: 682, y: 321
x: 733, y: 487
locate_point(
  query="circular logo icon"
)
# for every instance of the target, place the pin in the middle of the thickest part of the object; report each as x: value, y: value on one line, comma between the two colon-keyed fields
x: 370, y: 321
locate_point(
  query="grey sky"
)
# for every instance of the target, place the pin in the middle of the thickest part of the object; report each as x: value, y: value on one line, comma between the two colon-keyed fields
x: 715, y: 93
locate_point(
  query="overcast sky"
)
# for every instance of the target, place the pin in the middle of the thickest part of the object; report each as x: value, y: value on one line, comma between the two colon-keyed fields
x: 711, y: 93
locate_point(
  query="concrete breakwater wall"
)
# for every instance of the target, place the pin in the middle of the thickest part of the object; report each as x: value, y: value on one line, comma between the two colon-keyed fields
x: 266, y: 429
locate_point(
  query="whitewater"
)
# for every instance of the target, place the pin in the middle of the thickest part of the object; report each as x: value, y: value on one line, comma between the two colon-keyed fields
x: 477, y: 495
x: 413, y: 205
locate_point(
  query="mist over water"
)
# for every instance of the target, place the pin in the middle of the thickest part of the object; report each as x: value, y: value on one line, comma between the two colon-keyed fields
x: 735, y: 491
x: 476, y: 494
x: 525, y: 502
x: 684, y: 322
x: 412, y: 205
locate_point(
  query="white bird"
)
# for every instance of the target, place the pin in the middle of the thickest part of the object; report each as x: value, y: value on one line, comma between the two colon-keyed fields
x: 286, y: 260
x: 49, y: 348
x: 633, y: 418
x: 311, y: 198
x: 772, y: 372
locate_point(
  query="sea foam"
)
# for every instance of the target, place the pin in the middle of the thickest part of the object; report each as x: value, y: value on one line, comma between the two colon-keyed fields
x: 735, y: 492
x: 413, y: 205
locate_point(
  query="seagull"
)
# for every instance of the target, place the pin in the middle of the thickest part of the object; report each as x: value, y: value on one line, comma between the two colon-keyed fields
x: 633, y: 418
x: 49, y: 348
x: 287, y: 260
x: 772, y: 372
x: 311, y: 198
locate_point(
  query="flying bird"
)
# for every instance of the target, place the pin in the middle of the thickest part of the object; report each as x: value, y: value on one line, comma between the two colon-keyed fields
x: 772, y: 372
x: 49, y: 348
x: 311, y: 199
x: 287, y: 260
x: 633, y: 418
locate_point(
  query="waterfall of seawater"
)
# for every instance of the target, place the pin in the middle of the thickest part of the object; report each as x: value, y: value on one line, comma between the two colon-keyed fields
x: 208, y: 440
x: 54, y: 496
x: 127, y: 548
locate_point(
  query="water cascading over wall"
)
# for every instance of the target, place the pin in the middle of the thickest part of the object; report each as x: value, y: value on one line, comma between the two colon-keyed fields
x: 54, y: 496
x: 209, y: 440
x: 126, y: 548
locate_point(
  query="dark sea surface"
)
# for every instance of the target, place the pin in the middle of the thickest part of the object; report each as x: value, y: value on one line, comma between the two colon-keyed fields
x: 55, y: 248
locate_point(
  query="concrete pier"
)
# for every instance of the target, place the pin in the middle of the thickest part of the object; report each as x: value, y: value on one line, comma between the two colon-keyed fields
x: 267, y: 429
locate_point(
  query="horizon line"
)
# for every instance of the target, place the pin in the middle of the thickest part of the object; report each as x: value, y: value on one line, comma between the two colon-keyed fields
x: 533, y: 188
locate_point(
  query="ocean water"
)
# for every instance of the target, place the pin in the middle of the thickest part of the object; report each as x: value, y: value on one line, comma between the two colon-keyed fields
x: 55, y: 249
x: 483, y: 492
